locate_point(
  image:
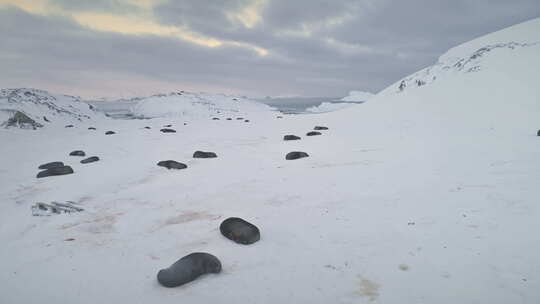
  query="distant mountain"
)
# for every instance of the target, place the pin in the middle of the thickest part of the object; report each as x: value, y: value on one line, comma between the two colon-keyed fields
x: 32, y: 109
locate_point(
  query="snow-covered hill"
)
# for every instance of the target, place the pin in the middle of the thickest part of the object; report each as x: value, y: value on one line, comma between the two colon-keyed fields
x: 424, y: 195
x: 516, y: 43
x: 39, y: 108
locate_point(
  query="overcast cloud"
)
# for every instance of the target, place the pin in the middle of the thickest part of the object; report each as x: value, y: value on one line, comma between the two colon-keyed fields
x: 122, y: 48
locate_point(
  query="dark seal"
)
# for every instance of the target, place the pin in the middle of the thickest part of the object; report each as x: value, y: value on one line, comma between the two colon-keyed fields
x: 171, y: 164
x: 313, y: 133
x: 240, y: 231
x: 295, y: 155
x: 166, y: 130
x: 56, y: 164
x: 55, y: 171
x: 188, y: 269
x: 202, y: 154
x: 318, y: 128
x: 291, y: 137
x: 90, y: 160
x: 77, y: 153
x: 110, y: 133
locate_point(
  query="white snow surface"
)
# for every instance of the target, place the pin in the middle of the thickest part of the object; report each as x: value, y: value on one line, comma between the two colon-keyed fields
x: 429, y: 195
x: 357, y: 96
x: 329, y: 107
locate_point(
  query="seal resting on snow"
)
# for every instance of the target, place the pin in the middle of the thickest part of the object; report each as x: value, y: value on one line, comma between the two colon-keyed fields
x: 55, y: 171
x: 188, y: 269
x: 291, y: 137
x: 56, y: 164
x: 171, y: 164
x: 296, y: 155
x: 313, y: 133
x: 77, y: 153
x: 240, y: 231
x: 202, y: 154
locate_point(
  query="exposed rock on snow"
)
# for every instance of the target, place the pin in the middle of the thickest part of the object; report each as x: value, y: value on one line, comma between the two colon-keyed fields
x: 41, y: 108
x: 43, y: 209
x: 91, y: 159
x: 77, y: 153
x: 240, y: 231
x: 51, y: 165
x: 20, y: 120
x: 202, y: 154
x: 188, y: 269
x: 171, y: 164
x: 55, y: 171
x: 295, y: 155
x: 291, y: 137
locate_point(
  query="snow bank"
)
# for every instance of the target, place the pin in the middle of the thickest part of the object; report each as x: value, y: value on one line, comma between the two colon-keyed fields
x: 357, y: 96
x: 329, y: 107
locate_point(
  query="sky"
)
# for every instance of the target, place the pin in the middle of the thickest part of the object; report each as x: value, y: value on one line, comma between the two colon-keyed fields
x: 125, y: 48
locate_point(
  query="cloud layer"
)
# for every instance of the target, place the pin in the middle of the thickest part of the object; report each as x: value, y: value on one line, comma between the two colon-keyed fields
x: 121, y: 48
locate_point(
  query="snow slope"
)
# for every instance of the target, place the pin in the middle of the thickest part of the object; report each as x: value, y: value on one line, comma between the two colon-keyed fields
x: 45, y: 108
x: 357, y: 96
x: 425, y: 195
x: 329, y: 107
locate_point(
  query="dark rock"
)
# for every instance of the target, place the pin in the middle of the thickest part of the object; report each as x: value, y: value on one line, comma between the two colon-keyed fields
x: 51, y: 165
x: 45, y: 118
x: 291, y: 137
x: 188, y: 269
x: 215, y: 118
x: 201, y: 154
x: 240, y: 231
x: 77, y: 153
x: 91, y: 128
x: 296, y: 155
x: 69, y: 126
x: 21, y: 120
x: 90, y: 160
x: 320, y: 128
x: 171, y: 164
x: 110, y: 133
x: 313, y: 133
x: 55, y: 171
x: 168, y: 131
